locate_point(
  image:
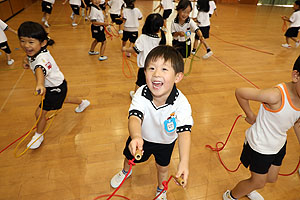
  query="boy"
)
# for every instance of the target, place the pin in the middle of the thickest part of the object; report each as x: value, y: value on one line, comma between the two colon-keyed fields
x: 115, y: 10
x: 75, y: 5
x: 47, y: 6
x: 3, y: 41
x: 265, y: 143
x: 292, y: 32
x: 159, y: 114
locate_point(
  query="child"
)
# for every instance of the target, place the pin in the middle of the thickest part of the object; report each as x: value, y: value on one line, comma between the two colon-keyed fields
x: 212, y: 8
x: 47, y: 6
x: 265, y: 143
x: 49, y: 79
x: 167, y: 6
x: 115, y: 12
x: 131, y: 16
x: 159, y: 114
x: 145, y: 43
x: 3, y: 41
x: 292, y: 32
x: 75, y: 5
x: 181, y: 28
x: 204, y: 25
x: 97, y: 27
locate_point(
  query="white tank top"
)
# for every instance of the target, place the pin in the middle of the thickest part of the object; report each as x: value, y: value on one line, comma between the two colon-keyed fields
x: 268, y: 134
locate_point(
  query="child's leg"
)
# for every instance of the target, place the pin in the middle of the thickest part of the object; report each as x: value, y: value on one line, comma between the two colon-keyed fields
x: 47, y: 15
x: 102, y: 48
x: 42, y: 122
x: 162, y: 174
x: 73, y: 100
x: 126, y: 166
x: 74, y: 19
x: 82, y: 103
x: 8, y: 57
x: 124, y: 43
x: 294, y: 39
x: 93, y: 45
x: 273, y: 174
x: 287, y: 40
x: 195, y: 44
x: 256, y: 181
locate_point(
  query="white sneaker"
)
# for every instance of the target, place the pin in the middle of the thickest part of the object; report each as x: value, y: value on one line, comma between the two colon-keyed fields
x: 254, y: 195
x: 36, y: 144
x: 163, y: 195
x: 10, y: 62
x: 101, y: 58
x: 297, y: 44
x: 46, y: 24
x: 81, y: 107
x: 131, y: 93
x: 74, y: 24
x: 208, y: 55
x: 193, y: 51
x: 86, y: 18
x: 43, y: 19
x: 118, y: 178
x: 286, y: 45
x: 120, y: 31
x: 227, y: 196
x: 93, y: 52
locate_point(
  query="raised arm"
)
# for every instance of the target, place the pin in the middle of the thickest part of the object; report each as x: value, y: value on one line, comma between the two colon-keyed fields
x: 135, y: 131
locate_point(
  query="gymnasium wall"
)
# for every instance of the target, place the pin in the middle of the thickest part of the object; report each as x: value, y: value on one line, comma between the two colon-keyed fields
x: 9, y: 8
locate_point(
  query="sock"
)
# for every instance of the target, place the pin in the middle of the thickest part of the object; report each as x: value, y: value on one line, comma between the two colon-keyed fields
x: 231, y: 195
x: 194, y: 49
x: 158, y: 189
x: 124, y: 172
x: 38, y: 134
x: 208, y: 50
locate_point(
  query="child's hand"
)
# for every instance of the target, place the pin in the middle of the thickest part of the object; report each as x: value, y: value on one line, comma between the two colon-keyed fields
x: 182, y: 34
x: 25, y: 63
x: 284, y: 18
x: 136, y: 143
x: 183, y: 172
x: 251, y: 119
x: 40, y: 89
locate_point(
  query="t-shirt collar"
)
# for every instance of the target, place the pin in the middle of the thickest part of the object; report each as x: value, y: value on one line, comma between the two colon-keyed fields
x: 176, y: 20
x: 42, y: 50
x: 170, y: 100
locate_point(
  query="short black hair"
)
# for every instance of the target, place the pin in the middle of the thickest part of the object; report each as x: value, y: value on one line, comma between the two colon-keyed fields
x: 183, y: 4
x: 129, y: 4
x: 297, y: 65
x: 168, y: 53
x: 203, y: 5
x: 153, y: 24
x: 297, y: 3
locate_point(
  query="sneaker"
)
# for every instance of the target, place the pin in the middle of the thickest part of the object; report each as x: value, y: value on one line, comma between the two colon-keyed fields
x: 128, y: 54
x: 84, y: 104
x: 208, y: 55
x: 93, y: 52
x: 43, y: 19
x: 120, y: 31
x: 254, y: 195
x: 10, y: 62
x: 131, y: 93
x: 36, y: 144
x: 193, y: 51
x: 286, y: 45
x: 118, y: 178
x: 86, y: 18
x: 101, y: 58
x: 227, y: 196
x: 46, y: 24
x: 163, y: 195
x: 74, y: 24
x: 297, y: 44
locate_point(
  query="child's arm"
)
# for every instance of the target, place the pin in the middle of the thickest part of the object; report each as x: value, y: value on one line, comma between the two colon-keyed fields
x: 285, y: 18
x: 100, y: 23
x: 297, y: 129
x: 271, y: 96
x: 64, y: 2
x: 198, y: 32
x: 40, y: 80
x: 12, y: 30
x: 184, y: 143
x: 25, y: 63
x: 135, y: 131
x: 181, y: 34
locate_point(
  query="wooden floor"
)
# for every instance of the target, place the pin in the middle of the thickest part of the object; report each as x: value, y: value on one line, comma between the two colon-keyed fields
x: 81, y: 152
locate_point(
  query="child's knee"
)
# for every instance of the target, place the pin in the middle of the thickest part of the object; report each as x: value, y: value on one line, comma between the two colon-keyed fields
x: 258, y: 184
x: 162, y: 169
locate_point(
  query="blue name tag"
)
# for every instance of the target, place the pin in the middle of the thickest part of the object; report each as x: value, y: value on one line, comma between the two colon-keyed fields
x: 170, y: 125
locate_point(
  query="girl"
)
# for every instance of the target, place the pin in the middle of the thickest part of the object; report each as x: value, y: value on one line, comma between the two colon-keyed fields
x: 145, y: 43
x: 49, y: 79
x: 3, y: 41
x: 75, y: 5
x: 204, y: 25
x: 47, y: 6
x: 115, y: 12
x: 131, y: 16
x: 292, y: 32
x: 181, y: 28
x: 97, y: 27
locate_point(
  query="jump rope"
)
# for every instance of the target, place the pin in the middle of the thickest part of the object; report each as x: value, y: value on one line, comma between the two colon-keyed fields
x: 138, y: 156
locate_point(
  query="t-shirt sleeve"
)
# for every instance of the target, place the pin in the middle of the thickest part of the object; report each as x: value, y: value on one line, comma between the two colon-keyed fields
x: 44, y: 65
x: 140, y: 15
x: 184, y: 117
x: 93, y: 16
x: 139, y: 45
x: 137, y: 107
x: 3, y: 25
x: 293, y: 17
x: 194, y: 26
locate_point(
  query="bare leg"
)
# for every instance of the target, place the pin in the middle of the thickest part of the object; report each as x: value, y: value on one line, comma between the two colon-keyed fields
x: 126, y: 166
x: 93, y: 45
x: 294, y: 39
x: 195, y: 44
x: 74, y: 19
x: 287, y: 40
x: 47, y: 16
x: 273, y: 174
x: 123, y: 43
x: 73, y: 100
x: 42, y: 122
x: 102, y: 48
x: 162, y: 174
x: 8, y: 57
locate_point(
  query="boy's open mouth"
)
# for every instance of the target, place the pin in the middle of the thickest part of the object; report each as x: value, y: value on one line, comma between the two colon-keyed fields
x: 157, y: 84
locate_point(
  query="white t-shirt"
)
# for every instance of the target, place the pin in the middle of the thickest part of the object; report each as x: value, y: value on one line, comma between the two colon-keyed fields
x: 194, y: 12
x: 162, y: 124
x: 268, y: 134
x: 132, y: 17
x: 50, y: 1
x: 203, y: 19
x: 212, y: 7
x: 143, y: 45
x: 188, y: 27
x: 115, y: 6
x: 295, y: 19
x: 167, y: 4
x: 3, y: 27
x: 53, y: 76
x: 75, y: 2
x: 96, y: 14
